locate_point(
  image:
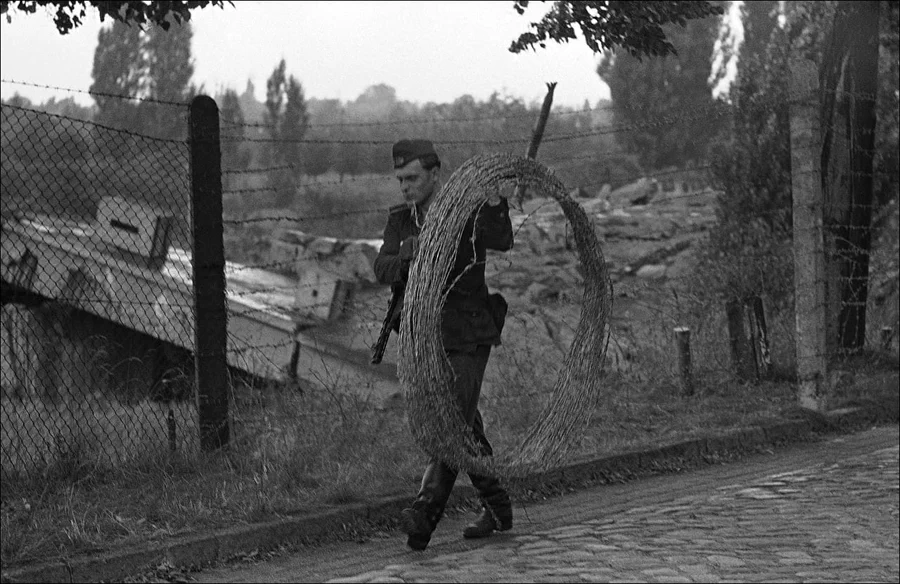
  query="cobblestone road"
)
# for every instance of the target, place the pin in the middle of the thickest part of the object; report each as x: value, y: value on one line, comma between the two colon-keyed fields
x: 815, y: 512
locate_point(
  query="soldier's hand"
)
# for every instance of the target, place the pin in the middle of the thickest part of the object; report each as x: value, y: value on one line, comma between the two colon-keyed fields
x: 409, y: 247
x: 494, y: 198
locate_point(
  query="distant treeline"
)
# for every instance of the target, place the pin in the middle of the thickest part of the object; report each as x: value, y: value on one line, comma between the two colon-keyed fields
x: 353, y: 137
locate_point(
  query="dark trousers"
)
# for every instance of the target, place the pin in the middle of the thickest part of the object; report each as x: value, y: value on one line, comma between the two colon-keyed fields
x: 439, y: 478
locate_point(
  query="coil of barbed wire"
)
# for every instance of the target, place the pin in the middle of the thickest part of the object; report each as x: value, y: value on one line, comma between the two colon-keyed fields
x: 425, y: 373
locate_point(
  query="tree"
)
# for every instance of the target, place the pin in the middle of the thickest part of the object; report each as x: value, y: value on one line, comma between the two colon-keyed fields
x: 887, y: 160
x: 635, y: 26
x: 843, y: 39
x: 753, y: 168
x: 275, y: 97
x: 664, y: 107
x: 134, y: 71
x: 319, y: 156
x: 118, y: 72
x: 67, y: 107
x: 234, y: 155
x: 849, y: 71
x: 757, y: 21
x: 745, y: 255
x: 294, y: 123
x: 69, y: 14
x: 287, y: 120
x: 169, y: 71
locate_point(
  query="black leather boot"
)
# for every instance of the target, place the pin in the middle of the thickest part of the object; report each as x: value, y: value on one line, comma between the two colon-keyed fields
x: 420, y: 520
x: 488, y: 522
x: 496, y: 514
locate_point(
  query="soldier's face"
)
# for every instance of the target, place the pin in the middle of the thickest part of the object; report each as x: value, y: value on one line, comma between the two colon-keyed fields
x: 416, y: 183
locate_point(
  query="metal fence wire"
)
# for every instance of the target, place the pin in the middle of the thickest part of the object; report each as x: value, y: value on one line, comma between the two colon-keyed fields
x: 99, y: 298
x: 97, y: 294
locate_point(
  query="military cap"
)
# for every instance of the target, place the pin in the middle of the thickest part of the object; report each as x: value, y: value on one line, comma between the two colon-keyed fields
x: 405, y: 151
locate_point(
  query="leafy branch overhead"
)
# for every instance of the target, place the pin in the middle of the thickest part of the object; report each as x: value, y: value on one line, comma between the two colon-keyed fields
x: 69, y: 14
x: 607, y: 25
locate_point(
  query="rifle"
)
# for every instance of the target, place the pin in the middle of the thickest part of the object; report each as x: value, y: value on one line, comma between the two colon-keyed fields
x: 393, y: 315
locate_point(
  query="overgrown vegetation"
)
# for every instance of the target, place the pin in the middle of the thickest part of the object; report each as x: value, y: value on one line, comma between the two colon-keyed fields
x: 306, y: 450
x: 748, y: 251
x: 298, y: 449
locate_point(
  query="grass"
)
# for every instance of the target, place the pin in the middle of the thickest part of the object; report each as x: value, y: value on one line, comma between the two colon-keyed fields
x: 106, y: 475
x: 296, y: 452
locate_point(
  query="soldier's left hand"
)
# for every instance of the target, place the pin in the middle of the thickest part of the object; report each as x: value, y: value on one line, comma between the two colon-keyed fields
x: 409, y: 247
x: 494, y: 199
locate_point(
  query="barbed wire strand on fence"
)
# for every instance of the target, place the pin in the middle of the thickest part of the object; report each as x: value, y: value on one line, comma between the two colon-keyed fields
x: 172, y: 162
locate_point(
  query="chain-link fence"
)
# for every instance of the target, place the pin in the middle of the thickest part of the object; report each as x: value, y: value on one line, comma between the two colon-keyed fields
x: 98, y: 326
x: 97, y: 294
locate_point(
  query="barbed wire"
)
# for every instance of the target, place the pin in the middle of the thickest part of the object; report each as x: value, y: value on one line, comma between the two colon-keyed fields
x: 308, y: 217
x: 494, y: 142
x: 94, y: 124
x: 365, y: 309
x: 374, y: 304
x: 424, y: 121
x: 98, y: 93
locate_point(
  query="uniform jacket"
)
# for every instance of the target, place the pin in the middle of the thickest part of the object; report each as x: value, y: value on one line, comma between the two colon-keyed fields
x: 470, y: 316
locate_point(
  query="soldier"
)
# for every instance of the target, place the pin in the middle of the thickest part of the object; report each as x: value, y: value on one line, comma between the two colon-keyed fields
x: 471, y: 323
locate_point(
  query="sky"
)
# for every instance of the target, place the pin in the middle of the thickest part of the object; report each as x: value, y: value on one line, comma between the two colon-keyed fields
x: 428, y: 51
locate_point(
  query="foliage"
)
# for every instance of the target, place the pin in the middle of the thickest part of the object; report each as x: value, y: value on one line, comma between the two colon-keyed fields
x: 656, y: 102
x: 747, y: 251
x: 135, y: 71
x: 299, y: 452
x: 887, y: 136
x: 168, y: 73
x: 352, y: 139
x: 842, y: 38
x: 117, y: 71
x: 69, y: 14
x: 757, y: 20
x: 753, y: 166
x: 235, y: 154
x: 287, y: 120
x: 636, y: 27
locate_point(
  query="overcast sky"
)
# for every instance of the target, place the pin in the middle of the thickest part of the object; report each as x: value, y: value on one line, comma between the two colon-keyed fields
x: 427, y: 51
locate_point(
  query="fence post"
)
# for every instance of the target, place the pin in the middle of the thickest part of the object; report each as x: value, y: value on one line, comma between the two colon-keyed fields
x: 809, y: 254
x: 173, y: 435
x: 210, y: 311
x: 759, y: 337
x: 887, y: 333
x: 683, y: 340
x: 741, y: 355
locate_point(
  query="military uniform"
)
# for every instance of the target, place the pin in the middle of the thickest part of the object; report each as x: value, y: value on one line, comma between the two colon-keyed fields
x: 472, y: 320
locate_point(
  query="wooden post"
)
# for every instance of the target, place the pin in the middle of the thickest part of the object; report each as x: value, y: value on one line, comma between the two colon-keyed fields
x: 683, y: 340
x: 759, y: 337
x: 741, y: 356
x: 173, y: 436
x: 809, y: 258
x: 210, y: 311
x: 536, y: 136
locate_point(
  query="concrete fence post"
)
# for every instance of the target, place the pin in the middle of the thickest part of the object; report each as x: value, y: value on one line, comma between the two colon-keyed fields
x: 809, y: 247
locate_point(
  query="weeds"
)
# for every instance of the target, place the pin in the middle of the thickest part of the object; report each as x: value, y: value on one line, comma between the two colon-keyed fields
x: 308, y: 450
